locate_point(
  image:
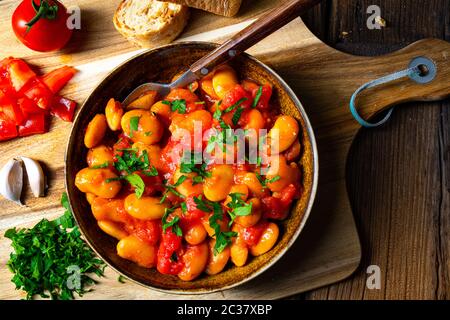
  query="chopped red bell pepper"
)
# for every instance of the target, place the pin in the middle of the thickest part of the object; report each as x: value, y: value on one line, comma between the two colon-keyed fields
x: 10, y: 109
x: 28, y: 107
x: 38, y: 92
x: 19, y: 73
x: 58, y: 78
x: 35, y: 123
x: 25, y: 98
x: 63, y: 108
x: 8, y: 129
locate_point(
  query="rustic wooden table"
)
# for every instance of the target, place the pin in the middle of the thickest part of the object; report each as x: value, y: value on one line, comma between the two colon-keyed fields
x: 398, y: 173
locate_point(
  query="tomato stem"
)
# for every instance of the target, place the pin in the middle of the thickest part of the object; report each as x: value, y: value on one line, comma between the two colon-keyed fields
x: 43, y: 10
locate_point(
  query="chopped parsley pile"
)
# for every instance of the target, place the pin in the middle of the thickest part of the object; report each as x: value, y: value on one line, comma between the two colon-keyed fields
x: 51, y: 259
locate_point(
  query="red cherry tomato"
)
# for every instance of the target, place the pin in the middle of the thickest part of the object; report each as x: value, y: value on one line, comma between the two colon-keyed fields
x: 41, y: 25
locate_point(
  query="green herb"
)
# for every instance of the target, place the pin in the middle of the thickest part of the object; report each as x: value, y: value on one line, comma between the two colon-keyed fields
x: 223, y: 239
x: 121, y: 279
x: 172, y: 223
x: 171, y: 188
x: 184, y: 208
x: 274, y: 179
x: 197, y: 180
x: 257, y: 97
x: 190, y: 87
x: 174, y: 257
x: 264, y: 182
x: 200, y: 102
x: 101, y: 166
x: 152, y: 172
x: 166, y: 102
x: 51, y: 261
x: 234, y: 106
x: 179, y: 105
x: 148, y: 133
x: 237, y: 116
x: 136, y: 181
x: 189, y: 166
x: 238, y: 207
x: 180, y: 180
x: 134, y: 124
x: 203, y: 205
x: 130, y: 162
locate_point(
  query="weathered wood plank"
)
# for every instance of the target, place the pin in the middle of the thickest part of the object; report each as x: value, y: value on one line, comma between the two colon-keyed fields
x: 398, y: 174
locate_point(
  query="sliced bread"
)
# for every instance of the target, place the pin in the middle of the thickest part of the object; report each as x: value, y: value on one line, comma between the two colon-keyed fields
x: 150, y: 23
x: 226, y: 8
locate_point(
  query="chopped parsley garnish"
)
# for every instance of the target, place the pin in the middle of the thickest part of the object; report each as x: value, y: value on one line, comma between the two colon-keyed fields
x: 223, y: 238
x: 237, y: 116
x: 201, y: 204
x: 134, y: 124
x: 172, y: 223
x: 130, y: 162
x: 238, y: 207
x: 121, y: 279
x: 184, y: 208
x: 136, y: 181
x: 264, y: 182
x: 188, y: 166
x: 51, y: 261
x: 176, y: 105
x: 257, y: 97
x: 172, y: 189
x: 101, y: 166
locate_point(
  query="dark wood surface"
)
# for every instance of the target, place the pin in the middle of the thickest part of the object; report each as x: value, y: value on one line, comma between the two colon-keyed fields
x: 254, y: 33
x: 398, y: 173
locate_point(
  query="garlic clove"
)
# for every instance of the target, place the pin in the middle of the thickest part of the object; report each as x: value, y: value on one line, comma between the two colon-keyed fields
x: 36, y: 177
x: 11, y: 180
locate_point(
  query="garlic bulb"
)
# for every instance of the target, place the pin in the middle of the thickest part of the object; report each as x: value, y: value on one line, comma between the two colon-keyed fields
x: 36, y: 177
x: 11, y: 180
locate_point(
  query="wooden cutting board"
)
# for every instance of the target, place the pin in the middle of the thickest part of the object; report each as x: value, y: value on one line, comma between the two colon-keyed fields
x: 328, y: 250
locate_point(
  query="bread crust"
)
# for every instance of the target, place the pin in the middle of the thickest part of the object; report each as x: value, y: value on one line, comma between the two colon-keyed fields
x: 152, y: 28
x: 226, y: 8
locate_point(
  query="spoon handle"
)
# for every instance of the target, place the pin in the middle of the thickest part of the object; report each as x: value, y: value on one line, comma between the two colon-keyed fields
x: 252, y: 34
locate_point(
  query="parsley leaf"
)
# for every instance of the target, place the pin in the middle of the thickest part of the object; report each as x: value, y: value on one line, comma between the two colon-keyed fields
x: 130, y: 162
x: 136, y: 181
x: 234, y: 106
x: 121, y: 279
x: 47, y: 256
x: 237, y: 116
x: 134, y: 124
x: 101, y: 166
x: 179, y: 106
x: 223, y: 238
x: 264, y: 182
x: 189, y: 166
x: 257, y: 97
x: 238, y: 207
x: 172, y: 223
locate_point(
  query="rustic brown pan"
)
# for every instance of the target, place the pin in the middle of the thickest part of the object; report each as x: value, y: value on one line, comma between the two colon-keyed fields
x: 160, y: 65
